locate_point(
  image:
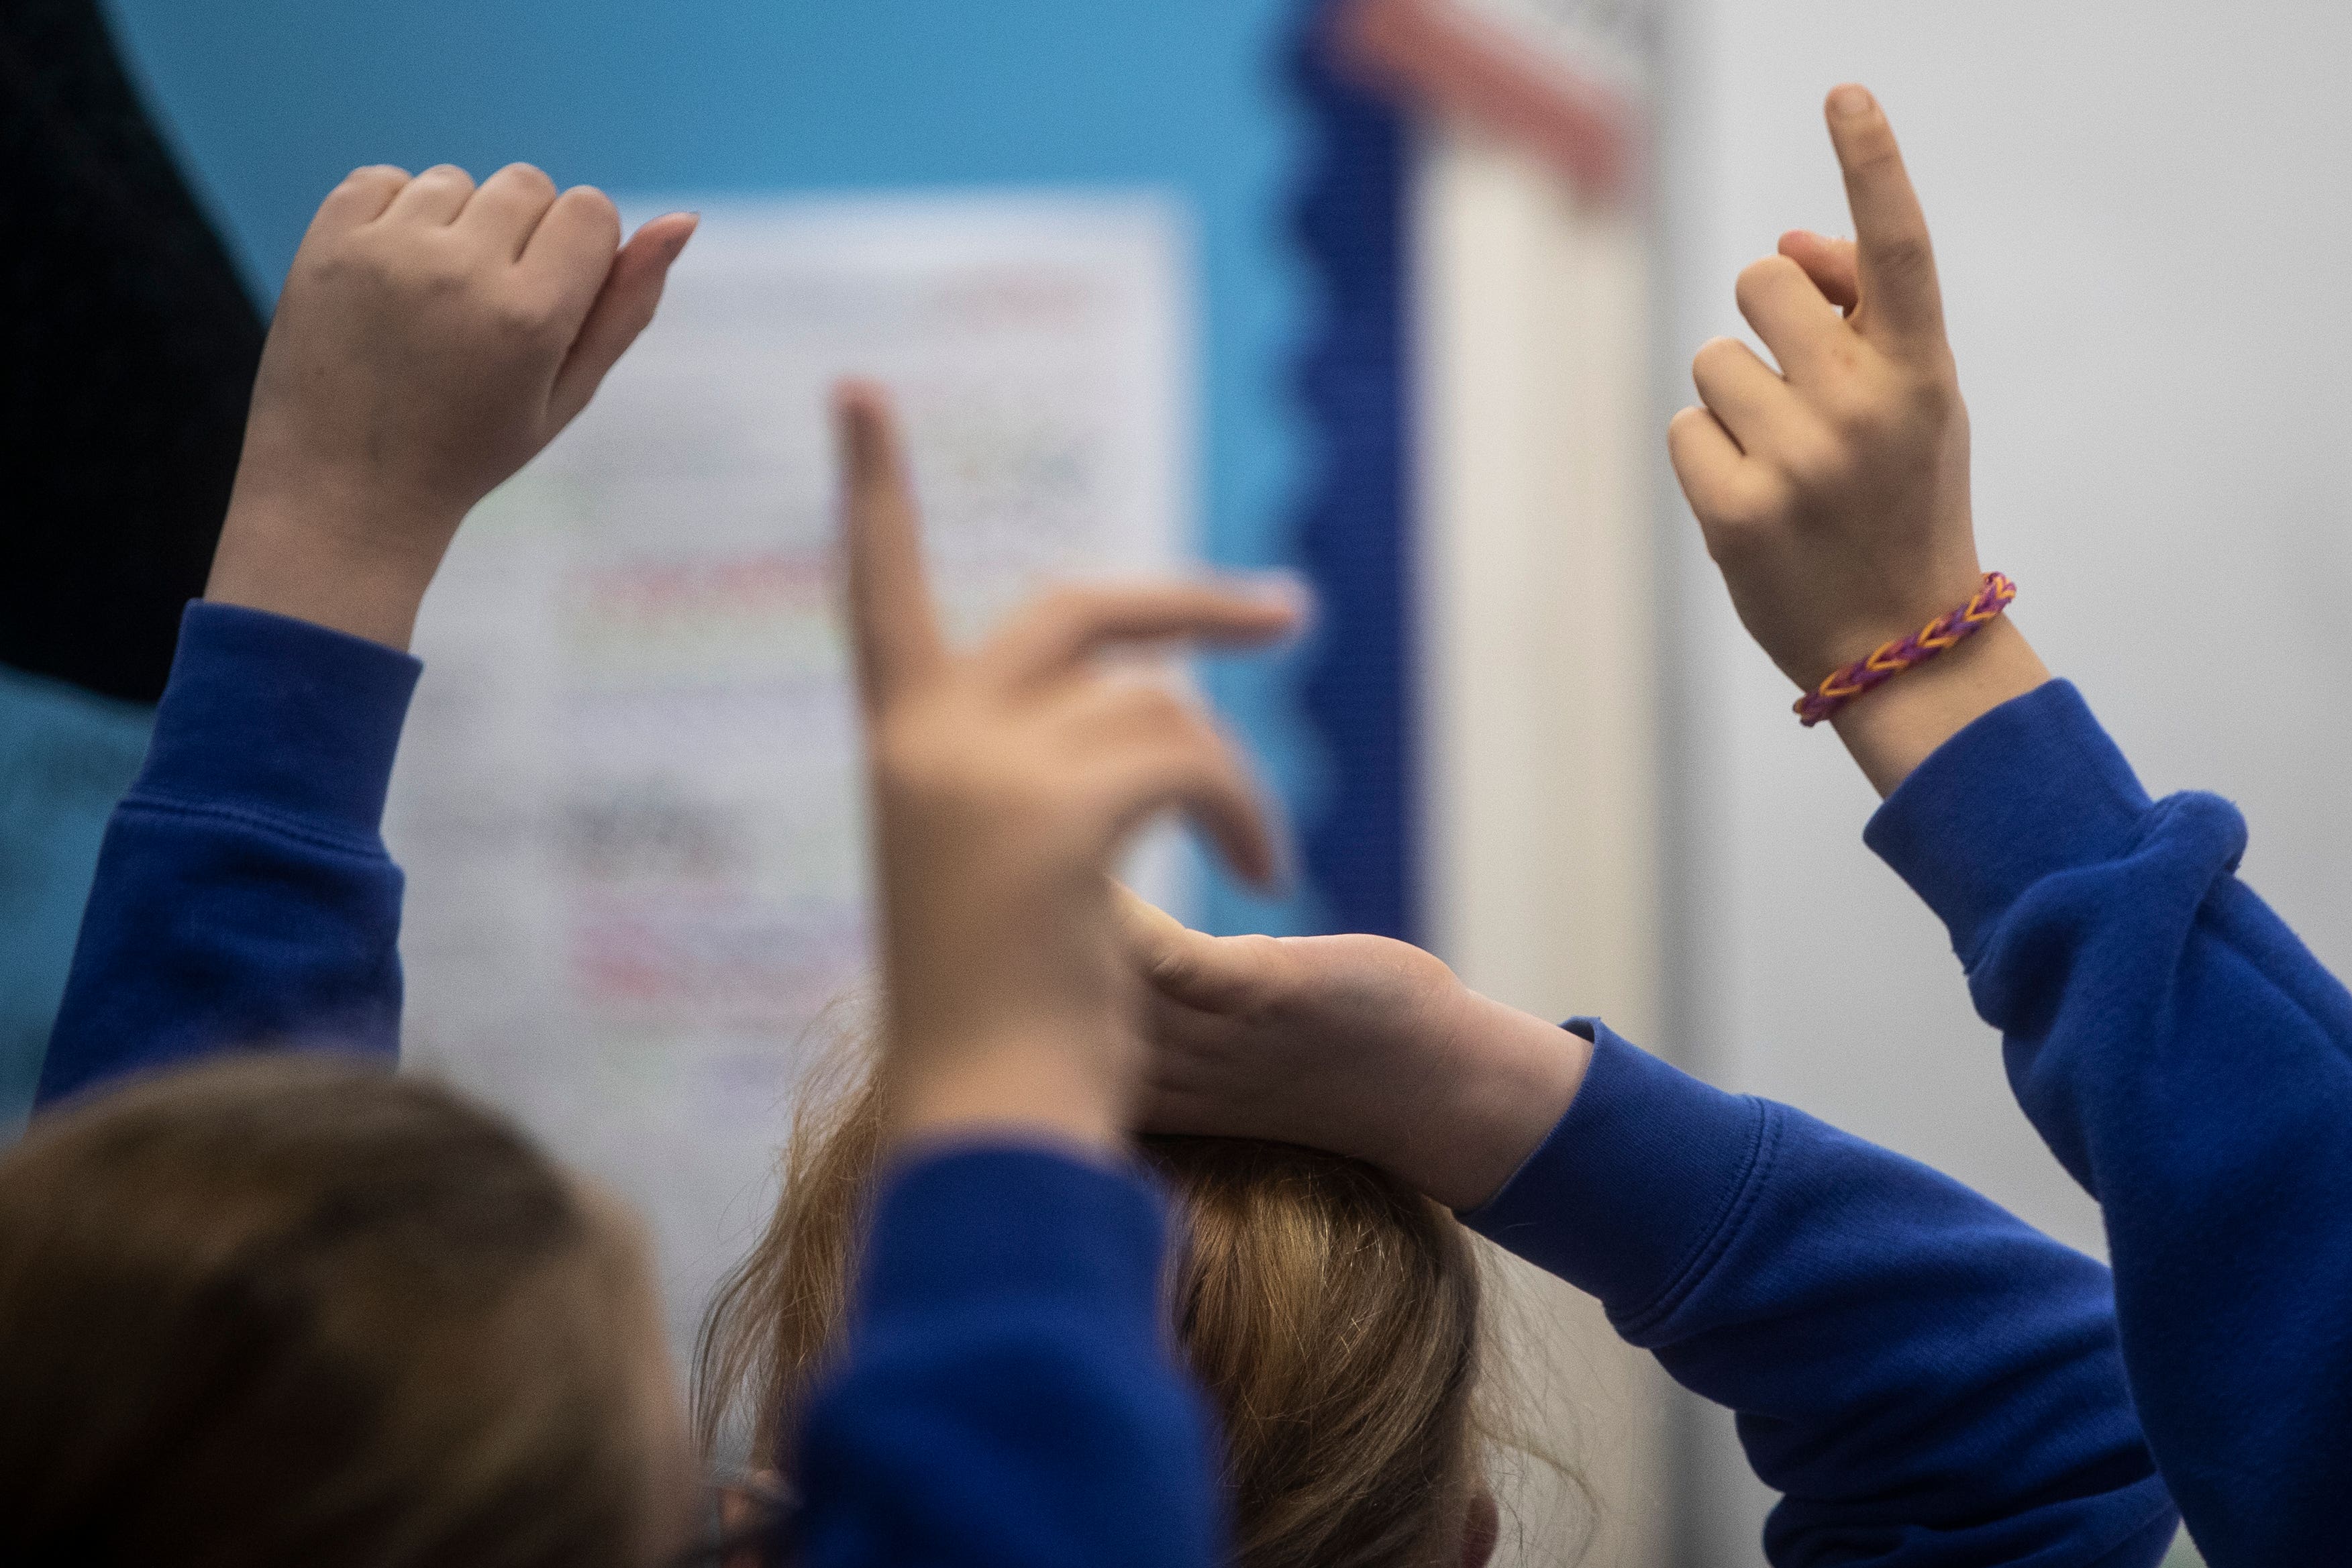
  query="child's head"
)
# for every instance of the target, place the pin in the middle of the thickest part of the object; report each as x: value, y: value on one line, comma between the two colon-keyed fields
x: 290, y: 1311
x: 1331, y: 1315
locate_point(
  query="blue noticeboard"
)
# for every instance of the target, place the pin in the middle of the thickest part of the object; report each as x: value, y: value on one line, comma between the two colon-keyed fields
x: 273, y: 100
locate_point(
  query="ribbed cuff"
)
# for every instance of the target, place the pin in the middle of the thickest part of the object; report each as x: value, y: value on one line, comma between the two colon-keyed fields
x: 979, y: 1224
x: 2030, y: 789
x: 280, y: 717
x: 1638, y: 1188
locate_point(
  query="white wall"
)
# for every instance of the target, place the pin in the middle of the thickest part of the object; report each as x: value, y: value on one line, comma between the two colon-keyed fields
x: 1536, y: 593
x: 2145, y: 221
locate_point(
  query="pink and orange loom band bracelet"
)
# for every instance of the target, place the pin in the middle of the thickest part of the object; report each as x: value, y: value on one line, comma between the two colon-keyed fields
x: 1841, y: 685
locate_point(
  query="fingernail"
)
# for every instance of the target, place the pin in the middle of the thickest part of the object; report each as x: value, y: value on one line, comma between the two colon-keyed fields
x: 1850, y: 101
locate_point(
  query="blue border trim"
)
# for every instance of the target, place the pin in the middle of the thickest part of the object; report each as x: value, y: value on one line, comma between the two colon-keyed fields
x: 1353, y: 376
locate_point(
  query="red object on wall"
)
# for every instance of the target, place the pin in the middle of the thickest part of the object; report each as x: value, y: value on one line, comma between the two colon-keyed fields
x: 1443, y: 58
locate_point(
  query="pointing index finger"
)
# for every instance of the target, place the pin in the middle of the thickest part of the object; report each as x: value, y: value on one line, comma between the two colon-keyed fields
x: 1895, y: 261
x: 893, y: 626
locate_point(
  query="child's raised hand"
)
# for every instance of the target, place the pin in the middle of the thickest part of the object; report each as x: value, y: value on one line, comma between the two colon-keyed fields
x: 1834, y: 492
x: 433, y: 336
x: 1004, y: 782
x: 1360, y: 1045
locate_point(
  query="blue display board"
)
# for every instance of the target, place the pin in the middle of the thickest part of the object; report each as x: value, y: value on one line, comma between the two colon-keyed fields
x: 272, y: 100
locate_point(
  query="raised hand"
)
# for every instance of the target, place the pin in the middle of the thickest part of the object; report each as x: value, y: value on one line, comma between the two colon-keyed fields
x: 1361, y: 1045
x: 1833, y: 491
x: 1004, y: 782
x: 433, y: 336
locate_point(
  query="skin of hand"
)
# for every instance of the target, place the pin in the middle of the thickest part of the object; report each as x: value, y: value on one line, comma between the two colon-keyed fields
x: 1361, y: 1045
x: 1004, y: 782
x: 432, y: 336
x: 1833, y: 492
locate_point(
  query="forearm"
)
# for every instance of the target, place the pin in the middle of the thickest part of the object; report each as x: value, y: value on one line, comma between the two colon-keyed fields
x: 243, y: 896
x: 1007, y: 1397
x: 1925, y: 1379
x: 2190, y: 1063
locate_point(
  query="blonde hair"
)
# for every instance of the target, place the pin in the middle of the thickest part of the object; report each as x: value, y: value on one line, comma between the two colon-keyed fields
x: 1331, y: 1315
x: 282, y: 1312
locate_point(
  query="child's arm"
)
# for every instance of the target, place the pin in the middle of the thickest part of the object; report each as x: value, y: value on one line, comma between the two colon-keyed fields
x: 431, y: 338
x: 1007, y: 1395
x: 1924, y: 1378
x: 2187, y: 1059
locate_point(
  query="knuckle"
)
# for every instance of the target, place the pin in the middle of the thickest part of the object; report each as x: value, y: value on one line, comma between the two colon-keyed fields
x: 1710, y: 353
x: 1905, y: 255
x: 1932, y: 393
x: 1760, y: 278
x: 521, y: 320
x: 598, y: 206
x: 529, y: 175
x: 1813, y: 463
x: 1861, y: 408
x: 1744, y: 514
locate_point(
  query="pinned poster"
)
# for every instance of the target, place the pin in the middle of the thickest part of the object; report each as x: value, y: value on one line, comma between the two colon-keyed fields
x: 628, y: 798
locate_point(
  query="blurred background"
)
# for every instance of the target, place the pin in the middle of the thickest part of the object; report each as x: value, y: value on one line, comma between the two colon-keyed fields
x: 1397, y: 295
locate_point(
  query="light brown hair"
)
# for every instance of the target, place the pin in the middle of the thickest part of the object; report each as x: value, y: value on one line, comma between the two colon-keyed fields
x: 1331, y: 1315
x: 291, y: 1312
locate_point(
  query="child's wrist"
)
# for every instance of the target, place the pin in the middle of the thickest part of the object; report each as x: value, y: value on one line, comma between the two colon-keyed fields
x: 1510, y: 1077
x: 1895, y: 727
x: 357, y: 565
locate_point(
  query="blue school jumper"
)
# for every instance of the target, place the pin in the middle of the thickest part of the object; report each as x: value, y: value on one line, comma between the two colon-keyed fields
x: 2190, y: 1062
x: 1929, y: 1382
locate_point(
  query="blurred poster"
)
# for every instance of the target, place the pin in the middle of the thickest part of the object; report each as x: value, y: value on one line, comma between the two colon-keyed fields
x: 627, y: 801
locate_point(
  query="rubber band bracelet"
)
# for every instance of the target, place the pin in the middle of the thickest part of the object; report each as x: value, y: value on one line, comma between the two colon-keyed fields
x: 1841, y: 685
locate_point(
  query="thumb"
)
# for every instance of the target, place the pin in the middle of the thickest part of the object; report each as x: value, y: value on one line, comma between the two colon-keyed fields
x: 1183, y: 965
x: 624, y: 307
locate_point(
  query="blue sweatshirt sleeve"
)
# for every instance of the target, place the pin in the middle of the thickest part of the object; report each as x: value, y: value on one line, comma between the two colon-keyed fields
x: 2190, y: 1062
x: 1928, y: 1381
x: 243, y: 896
x: 1008, y: 1398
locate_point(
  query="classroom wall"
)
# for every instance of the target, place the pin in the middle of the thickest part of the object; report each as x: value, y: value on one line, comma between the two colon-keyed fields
x: 273, y: 100
x: 2146, y: 235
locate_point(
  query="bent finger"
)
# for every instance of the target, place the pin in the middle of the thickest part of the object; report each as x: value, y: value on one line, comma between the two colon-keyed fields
x: 360, y: 198
x: 624, y: 307
x: 1744, y: 392
x: 1708, y: 463
x: 1830, y: 263
x: 571, y: 255
x: 435, y: 198
x: 1729, y: 494
x: 503, y: 214
x: 1069, y: 626
x: 1796, y: 322
x: 1200, y: 774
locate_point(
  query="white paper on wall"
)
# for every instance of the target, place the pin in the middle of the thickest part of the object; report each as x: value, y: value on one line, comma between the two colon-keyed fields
x: 627, y: 798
